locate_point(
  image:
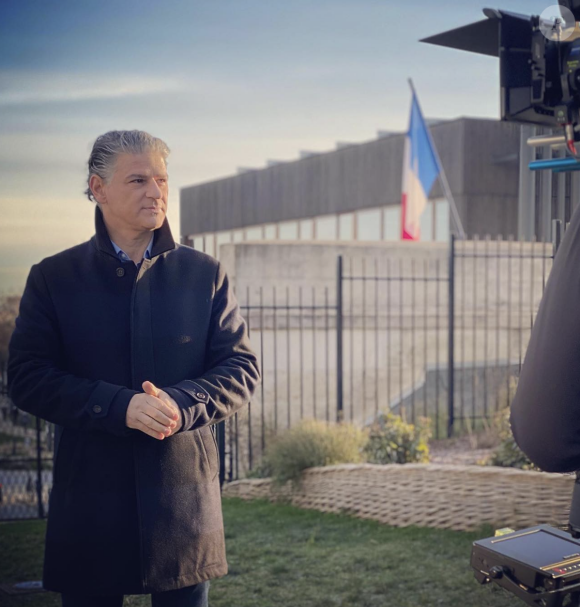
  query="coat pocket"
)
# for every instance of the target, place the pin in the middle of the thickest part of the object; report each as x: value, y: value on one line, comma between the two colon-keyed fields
x: 210, y: 447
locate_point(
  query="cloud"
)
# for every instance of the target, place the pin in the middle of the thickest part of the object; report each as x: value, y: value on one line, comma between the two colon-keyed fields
x: 32, y: 88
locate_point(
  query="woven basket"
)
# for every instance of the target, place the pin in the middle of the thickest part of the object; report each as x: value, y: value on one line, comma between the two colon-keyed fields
x: 427, y: 495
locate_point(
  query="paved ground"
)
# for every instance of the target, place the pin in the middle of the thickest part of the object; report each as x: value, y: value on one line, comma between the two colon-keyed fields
x: 459, y: 451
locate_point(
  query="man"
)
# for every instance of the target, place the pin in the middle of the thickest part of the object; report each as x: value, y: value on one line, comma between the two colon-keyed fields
x: 133, y: 346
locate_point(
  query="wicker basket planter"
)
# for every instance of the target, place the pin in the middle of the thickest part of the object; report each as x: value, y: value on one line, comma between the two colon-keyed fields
x: 443, y: 496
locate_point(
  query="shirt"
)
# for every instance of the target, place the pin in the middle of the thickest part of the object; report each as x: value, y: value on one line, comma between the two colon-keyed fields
x: 124, y: 257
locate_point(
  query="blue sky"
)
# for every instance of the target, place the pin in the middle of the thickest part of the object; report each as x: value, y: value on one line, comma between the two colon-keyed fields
x: 226, y: 83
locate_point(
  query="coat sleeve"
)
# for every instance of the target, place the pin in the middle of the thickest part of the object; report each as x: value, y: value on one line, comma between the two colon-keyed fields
x: 37, y: 383
x: 232, y: 367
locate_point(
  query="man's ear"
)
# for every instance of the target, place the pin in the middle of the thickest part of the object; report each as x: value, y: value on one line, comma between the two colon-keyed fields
x: 98, y: 189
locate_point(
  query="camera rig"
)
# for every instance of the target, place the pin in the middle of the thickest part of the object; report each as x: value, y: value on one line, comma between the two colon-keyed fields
x: 539, y: 73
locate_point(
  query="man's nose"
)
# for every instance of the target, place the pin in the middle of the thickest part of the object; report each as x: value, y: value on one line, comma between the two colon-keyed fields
x: 154, y: 191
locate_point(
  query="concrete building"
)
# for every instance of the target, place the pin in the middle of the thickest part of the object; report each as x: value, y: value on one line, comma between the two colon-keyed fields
x: 353, y: 193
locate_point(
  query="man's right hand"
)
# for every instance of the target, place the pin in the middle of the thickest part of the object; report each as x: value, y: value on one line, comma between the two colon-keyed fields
x: 151, y: 415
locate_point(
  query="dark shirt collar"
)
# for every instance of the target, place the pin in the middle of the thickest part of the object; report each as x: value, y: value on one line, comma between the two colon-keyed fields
x: 162, y: 237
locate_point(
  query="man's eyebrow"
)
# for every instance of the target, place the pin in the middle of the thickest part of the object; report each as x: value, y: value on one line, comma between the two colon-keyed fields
x: 138, y: 176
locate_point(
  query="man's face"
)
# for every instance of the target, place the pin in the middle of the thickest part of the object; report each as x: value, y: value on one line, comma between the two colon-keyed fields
x: 136, y: 196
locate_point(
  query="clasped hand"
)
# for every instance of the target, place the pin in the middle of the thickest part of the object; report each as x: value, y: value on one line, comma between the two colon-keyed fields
x: 154, y: 412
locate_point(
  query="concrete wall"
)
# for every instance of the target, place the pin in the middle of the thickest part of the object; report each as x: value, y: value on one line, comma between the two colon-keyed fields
x: 493, y: 277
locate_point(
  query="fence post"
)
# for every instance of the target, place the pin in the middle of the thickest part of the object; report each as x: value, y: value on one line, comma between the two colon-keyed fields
x: 339, y: 401
x: 39, y: 469
x: 451, y: 328
x: 556, y: 235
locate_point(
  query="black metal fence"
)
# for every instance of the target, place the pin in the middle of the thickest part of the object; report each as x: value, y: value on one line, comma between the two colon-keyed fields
x: 441, y: 336
x: 294, y: 334
x: 497, y: 286
x: 26, y: 444
x: 389, y: 310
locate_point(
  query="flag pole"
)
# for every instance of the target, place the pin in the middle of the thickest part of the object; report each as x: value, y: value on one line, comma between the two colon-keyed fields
x: 442, y: 177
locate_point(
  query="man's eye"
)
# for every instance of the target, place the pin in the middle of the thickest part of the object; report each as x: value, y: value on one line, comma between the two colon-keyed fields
x: 162, y: 180
x: 137, y: 181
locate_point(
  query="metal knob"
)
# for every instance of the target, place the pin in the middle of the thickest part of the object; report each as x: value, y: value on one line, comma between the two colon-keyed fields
x: 496, y: 572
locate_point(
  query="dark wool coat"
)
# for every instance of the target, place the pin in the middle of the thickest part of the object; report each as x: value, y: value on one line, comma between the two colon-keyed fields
x: 130, y: 514
x: 545, y: 412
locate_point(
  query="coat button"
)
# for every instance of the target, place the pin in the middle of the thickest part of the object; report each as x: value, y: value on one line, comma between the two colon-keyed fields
x: 200, y: 395
x: 97, y: 408
x: 120, y: 272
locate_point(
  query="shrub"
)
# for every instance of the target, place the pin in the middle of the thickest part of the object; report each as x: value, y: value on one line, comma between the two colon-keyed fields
x: 309, y: 444
x: 262, y: 470
x: 485, y: 437
x: 508, y: 454
x: 393, y: 441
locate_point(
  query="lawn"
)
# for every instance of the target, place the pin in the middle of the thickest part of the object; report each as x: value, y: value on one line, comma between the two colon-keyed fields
x: 283, y: 556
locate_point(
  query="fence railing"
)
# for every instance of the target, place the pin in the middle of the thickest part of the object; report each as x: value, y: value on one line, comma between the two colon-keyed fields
x: 294, y: 335
x: 441, y: 336
x: 498, y: 288
x: 25, y: 461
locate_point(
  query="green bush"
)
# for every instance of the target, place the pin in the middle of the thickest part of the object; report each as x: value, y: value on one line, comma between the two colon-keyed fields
x: 508, y: 454
x: 262, y: 470
x: 393, y: 441
x: 309, y: 444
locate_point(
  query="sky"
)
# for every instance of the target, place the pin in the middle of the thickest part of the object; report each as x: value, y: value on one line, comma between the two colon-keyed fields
x: 225, y: 83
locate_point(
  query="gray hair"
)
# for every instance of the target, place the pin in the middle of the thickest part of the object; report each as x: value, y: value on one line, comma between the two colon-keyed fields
x: 109, y: 146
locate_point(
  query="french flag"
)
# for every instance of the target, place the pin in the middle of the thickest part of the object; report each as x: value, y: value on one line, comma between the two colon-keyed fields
x: 420, y: 169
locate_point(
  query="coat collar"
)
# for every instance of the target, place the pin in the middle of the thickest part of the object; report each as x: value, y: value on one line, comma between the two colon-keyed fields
x: 162, y: 237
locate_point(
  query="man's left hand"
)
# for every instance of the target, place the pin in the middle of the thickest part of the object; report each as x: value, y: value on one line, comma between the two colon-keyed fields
x: 150, y: 388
